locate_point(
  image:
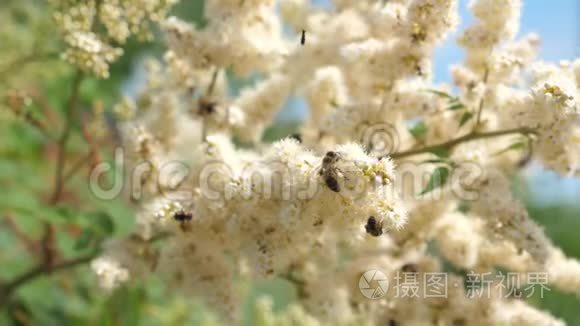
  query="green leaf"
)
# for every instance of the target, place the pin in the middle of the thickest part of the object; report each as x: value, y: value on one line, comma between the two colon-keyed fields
x: 445, y: 161
x: 464, y: 207
x: 438, y: 179
x: 456, y: 106
x: 84, y: 292
x: 85, y: 239
x: 453, y: 100
x: 419, y: 130
x: 441, y: 94
x: 464, y: 118
x: 103, y: 222
x: 66, y: 213
x: 442, y: 152
x: 514, y: 146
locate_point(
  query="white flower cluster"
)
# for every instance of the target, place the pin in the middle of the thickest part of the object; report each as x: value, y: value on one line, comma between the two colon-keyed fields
x: 321, y: 208
x: 245, y: 35
x: 94, y: 51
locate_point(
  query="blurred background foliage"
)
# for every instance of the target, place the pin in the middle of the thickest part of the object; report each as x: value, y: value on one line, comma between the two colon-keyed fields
x: 29, y: 63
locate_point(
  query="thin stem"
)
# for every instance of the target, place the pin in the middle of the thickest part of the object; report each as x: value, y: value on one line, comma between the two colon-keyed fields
x: 15, y: 103
x: 69, y: 119
x: 34, y: 122
x: 47, y: 247
x: 93, y: 145
x: 21, y: 235
x: 482, y: 100
x: 213, y: 82
x: 208, y: 95
x: 65, y: 135
x: 48, y: 112
x: 529, y: 154
x: 22, y: 61
x: 298, y: 284
x: 92, y: 157
x: 466, y: 138
x: 76, y: 167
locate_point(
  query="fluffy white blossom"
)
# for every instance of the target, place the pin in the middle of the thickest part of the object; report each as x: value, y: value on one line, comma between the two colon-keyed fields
x: 389, y: 172
x: 92, y: 51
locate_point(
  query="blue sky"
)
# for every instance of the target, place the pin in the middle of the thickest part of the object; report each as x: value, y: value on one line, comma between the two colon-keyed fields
x: 554, y: 21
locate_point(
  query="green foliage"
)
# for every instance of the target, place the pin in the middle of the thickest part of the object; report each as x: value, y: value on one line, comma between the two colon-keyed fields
x: 465, y: 117
x: 442, y: 94
x: 438, y: 179
x: 515, y: 146
x: 419, y: 131
x: 440, y: 151
x: 456, y: 106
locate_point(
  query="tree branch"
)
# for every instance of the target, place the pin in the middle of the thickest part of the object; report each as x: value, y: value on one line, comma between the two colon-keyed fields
x: 94, y: 156
x: 65, y: 135
x: 482, y: 100
x: 21, y: 61
x: 39, y: 270
x: 76, y: 166
x: 15, y: 101
x: 26, y: 240
x: 299, y: 285
x: 212, y: 82
x: 466, y: 138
